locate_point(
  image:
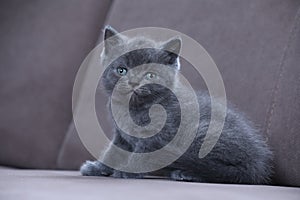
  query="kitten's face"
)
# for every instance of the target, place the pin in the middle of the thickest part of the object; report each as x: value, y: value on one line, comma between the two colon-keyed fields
x: 138, y: 80
x: 136, y: 71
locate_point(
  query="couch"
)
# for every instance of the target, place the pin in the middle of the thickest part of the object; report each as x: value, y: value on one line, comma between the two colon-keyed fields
x: 255, y: 44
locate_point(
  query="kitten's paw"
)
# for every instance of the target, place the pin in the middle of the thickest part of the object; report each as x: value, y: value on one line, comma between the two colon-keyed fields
x: 95, y: 168
x: 180, y: 175
x: 119, y: 174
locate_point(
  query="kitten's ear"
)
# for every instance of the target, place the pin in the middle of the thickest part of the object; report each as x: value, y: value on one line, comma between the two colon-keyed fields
x: 173, y: 45
x: 109, y: 32
x: 111, y: 38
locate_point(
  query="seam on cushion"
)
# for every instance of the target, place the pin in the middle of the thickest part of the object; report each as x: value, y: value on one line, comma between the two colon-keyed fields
x: 295, y: 99
x: 291, y: 37
x: 61, y: 148
x: 107, y: 16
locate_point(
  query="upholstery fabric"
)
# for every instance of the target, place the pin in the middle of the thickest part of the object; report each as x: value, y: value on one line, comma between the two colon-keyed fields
x: 42, y: 45
x: 39, y: 184
x: 255, y: 45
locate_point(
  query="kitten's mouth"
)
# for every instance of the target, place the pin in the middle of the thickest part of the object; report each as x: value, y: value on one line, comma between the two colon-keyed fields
x: 133, y: 92
x: 141, y: 92
x: 136, y: 92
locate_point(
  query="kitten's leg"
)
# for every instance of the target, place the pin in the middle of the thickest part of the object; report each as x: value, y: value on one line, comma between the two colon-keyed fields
x: 182, y: 175
x: 95, y: 168
x: 122, y: 174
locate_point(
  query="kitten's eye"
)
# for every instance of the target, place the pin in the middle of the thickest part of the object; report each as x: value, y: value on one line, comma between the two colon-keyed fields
x: 122, y: 71
x: 150, y: 75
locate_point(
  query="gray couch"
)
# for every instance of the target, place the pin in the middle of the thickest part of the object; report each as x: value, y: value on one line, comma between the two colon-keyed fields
x: 255, y: 44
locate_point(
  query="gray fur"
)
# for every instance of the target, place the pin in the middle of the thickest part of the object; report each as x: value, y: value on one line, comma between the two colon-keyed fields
x: 240, y: 156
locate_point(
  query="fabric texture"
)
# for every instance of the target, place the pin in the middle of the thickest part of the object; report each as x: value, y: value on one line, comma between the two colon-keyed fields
x: 42, y: 45
x: 255, y: 45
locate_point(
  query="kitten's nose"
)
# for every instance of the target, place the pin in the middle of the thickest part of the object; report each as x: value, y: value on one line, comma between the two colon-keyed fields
x: 133, y: 84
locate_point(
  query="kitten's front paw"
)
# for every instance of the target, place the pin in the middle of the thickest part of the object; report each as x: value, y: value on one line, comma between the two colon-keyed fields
x: 119, y: 174
x: 179, y: 175
x: 95, y: 168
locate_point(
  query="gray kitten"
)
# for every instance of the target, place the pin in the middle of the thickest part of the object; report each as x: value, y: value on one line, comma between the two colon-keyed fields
x: 240, y: 155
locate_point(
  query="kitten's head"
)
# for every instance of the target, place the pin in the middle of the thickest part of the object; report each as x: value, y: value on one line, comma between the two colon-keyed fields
x: 141, y: 51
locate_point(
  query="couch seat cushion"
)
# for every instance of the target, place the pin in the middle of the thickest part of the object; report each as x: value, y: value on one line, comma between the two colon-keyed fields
x: 42, y: 184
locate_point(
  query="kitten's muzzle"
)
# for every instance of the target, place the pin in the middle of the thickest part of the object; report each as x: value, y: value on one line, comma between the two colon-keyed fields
x: 134, y: 85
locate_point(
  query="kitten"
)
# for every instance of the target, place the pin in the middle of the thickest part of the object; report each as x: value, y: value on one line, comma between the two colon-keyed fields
x: 240, y: 155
